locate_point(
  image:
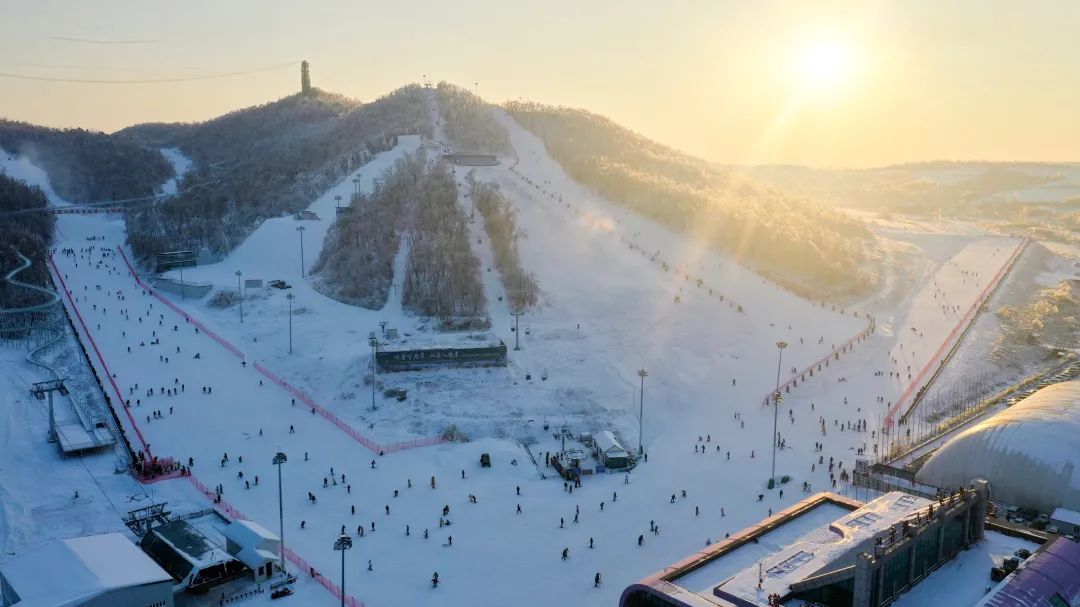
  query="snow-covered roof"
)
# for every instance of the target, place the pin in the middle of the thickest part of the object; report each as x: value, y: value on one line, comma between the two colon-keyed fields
x: 73, y: 571
x: 248, y: 533
x: 256, y: 544
x: 608, y: 444
x: 820, y: 548
x: 1065, y: 515
x: 1027, y: 452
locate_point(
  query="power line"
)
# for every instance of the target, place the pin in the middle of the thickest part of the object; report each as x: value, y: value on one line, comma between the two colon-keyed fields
x: 146, y: 81
x: 99, y: 41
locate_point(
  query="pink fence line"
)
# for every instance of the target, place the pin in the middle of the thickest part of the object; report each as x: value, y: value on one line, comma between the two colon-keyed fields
x: 305, y: 568
x: 835, y: 352
x: 101, y: 359
x: 175, y: 308
x: 346, y: 428
x: 960, y: 327
x: 296, y: 392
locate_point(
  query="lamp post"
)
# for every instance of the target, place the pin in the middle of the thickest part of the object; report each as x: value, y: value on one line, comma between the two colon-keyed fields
x: 290, y: 297
x: 356, y: 181
x: 342, y: 544
x: 374, y: 343
x: 182, y: 283
x: 777, y: 399
x: 279, y: 459
x: 240, y: 293
x: 338, y: 199
x: 301, y: 230
x: 516, y: 316
x: 642, y: 373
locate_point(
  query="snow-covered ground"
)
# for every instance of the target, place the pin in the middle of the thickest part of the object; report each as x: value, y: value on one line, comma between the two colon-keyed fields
x: 20, y: 167
x: 607, y: 309
x: 966, y: 578
x: 181, y: 165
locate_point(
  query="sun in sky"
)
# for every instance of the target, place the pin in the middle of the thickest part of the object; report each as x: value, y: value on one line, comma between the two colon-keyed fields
x: 824, y: 66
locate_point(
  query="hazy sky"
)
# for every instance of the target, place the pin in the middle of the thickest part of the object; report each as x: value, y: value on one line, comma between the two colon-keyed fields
x: 820, y: 83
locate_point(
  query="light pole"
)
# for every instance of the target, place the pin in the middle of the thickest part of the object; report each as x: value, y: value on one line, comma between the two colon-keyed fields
x: 777, y: 399
x: 356, y: 180
x: 182, y: 283
x: 642, y: 373
x: 240, y: 293
x: 516, y: 316
x: 342, y: 544
x: 279, y: 459
x: 301, y: 230
x: 338, y: 199
x: 290, y: 297
x: 374, y: 343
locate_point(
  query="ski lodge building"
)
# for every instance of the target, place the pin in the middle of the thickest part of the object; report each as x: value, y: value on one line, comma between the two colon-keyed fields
x: 826, y: 549
x: 86, y: 571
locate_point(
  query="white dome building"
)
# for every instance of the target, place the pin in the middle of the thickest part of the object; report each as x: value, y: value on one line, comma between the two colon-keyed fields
x: 1030, y: 452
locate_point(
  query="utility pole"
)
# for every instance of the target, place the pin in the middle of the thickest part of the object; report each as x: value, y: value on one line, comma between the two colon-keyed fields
x: 374, y: 343
x: 517, y: 332
x: 301, y: 230
x: 290, y: 297
x: 279, y: 459
x: 642, y: 373
x: 777, y: 399
x: 342, y: 544
x: 240, y: 292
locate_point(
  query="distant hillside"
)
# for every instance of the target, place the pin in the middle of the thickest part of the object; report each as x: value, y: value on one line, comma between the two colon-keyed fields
x: 265, y: 161
x: 807, y: 247
x: 30, y: 234
x: 87, y: 166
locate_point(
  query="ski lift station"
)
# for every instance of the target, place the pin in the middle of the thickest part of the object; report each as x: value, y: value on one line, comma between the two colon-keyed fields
x: 609, y: 452
x: 102, y: 569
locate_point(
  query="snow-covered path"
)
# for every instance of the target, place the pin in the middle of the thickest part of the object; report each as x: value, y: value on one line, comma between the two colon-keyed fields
x: 181, y: 165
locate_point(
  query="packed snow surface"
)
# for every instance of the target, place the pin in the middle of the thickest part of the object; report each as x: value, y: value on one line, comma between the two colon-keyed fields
x: 608, y: 308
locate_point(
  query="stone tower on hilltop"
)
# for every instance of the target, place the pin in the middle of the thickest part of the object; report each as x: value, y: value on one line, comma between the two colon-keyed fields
x: 305, y: 79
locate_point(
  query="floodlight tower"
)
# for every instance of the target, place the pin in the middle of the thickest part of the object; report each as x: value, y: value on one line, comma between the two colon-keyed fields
x: 777, y: 399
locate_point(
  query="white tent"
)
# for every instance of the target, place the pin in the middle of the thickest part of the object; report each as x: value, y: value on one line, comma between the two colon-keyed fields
x: 82, y: 570
x: 251, y: 544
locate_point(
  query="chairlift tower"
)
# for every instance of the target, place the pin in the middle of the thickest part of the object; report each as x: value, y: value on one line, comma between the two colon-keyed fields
x: 39, y: 390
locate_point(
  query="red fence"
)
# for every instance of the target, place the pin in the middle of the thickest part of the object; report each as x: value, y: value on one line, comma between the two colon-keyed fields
x: 296, y: 392
x: 833, y: 354
x: 101, y: 359
x: 937, y: 359
x: 346, y: 428
x: 175, y: 308
x: 305, y: 568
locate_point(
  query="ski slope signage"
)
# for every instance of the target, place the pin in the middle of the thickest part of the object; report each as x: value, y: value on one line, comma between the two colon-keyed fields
x: 412, y: 360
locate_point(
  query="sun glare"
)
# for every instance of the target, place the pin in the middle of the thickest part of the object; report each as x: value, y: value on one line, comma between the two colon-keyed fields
x: 824, y: 66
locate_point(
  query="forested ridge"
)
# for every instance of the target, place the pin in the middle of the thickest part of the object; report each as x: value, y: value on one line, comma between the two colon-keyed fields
x: 87, y: 166
x: 265, y: 161
x: 27, y: 233
x: 809, y: 248
x: 414, y: 204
